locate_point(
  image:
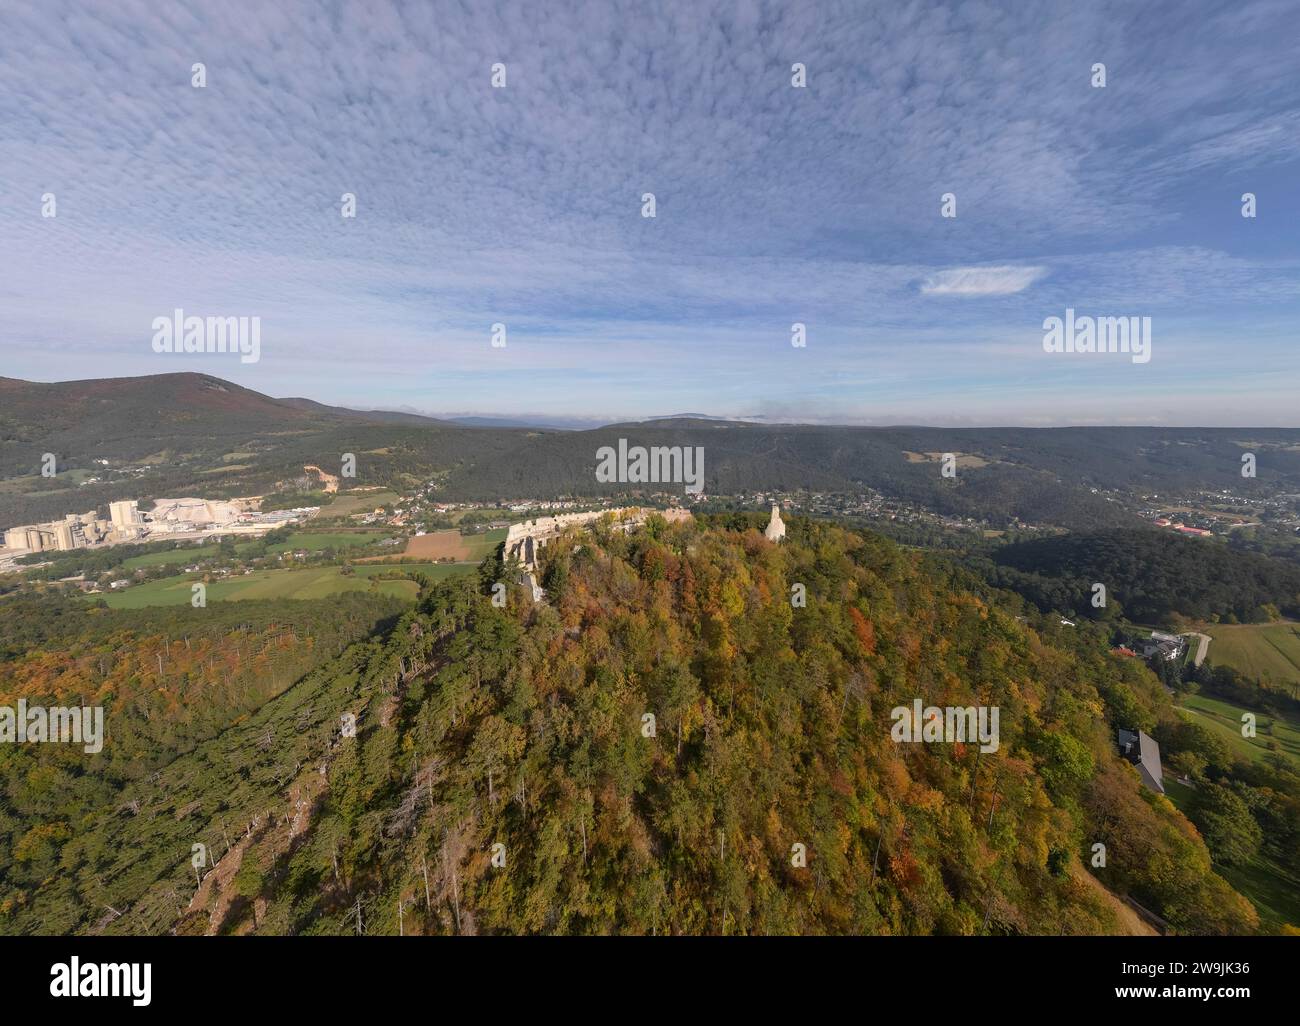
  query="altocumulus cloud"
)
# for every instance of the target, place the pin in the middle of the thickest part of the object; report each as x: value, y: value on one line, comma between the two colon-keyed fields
x: 816, y: 205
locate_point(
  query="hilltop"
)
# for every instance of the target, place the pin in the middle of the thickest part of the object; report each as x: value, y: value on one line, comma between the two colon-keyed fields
x: 126, y: 418
x: 667, y: 744
x: 176, y: 434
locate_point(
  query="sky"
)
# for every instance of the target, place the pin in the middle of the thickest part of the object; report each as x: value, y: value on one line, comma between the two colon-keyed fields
x: 775, y: 204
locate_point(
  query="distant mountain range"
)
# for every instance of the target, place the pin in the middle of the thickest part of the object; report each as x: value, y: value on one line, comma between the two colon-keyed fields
x: 170, y: 434
x: 526, y: 421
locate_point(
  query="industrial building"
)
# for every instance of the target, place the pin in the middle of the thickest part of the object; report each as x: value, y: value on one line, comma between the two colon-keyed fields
x: 170, y: 518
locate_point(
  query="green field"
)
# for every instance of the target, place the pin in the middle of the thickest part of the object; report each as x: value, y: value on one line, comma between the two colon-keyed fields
x: 1258, y: 649
x: 434, y: 571
x: 1224, y: 720
x: 1274, y: 892
x: 1180, y: 794
x: 312, y: 583
x: 185, y: 554
x: 481, y: 545
x: 314, y: 541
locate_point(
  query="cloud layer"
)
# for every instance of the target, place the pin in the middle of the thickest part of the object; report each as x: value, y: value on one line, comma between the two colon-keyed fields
x: 775, y: 204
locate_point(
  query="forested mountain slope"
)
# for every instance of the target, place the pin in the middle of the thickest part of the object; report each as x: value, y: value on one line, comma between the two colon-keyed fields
x: 182, y: 433
x: 1150, y: 574
x: 524, y: 727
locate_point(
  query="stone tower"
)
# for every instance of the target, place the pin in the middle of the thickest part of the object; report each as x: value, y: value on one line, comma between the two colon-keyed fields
x: 775, y: 530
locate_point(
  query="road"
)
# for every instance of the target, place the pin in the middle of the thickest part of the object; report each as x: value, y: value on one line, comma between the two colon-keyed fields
x: 1202, y: 648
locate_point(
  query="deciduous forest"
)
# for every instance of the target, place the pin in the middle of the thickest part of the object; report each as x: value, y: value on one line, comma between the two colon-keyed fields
x: 689, y: 735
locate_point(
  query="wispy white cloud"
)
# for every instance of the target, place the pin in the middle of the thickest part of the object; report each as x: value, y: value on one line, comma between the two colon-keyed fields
x: 981, y: 281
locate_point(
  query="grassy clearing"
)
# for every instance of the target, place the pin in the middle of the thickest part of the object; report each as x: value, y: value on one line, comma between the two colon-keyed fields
x: 1224, y: 719
x: 347, y: 503
x: 1273, y: 891
x: 1257, y: 649
x: 1180, y: 794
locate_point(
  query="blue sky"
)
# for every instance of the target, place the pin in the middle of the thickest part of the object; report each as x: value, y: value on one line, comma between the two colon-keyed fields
x: 775, y: 204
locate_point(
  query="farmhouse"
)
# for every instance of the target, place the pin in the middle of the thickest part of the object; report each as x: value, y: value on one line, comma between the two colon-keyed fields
x: 1167, y: 646
x: 1143, y: 752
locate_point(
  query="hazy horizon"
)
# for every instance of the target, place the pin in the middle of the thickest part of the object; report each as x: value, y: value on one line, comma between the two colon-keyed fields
x: 537, y: 418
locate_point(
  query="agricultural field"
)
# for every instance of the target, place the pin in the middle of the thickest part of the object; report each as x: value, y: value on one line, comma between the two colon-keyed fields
x: 314, y: 541
x: 312, y: 583
x: 185, y: 554
x: 346, y: 504
x: 1258, y: 649
x: 481, y: 545
x: 464, y: 548
x: 1224, y: 719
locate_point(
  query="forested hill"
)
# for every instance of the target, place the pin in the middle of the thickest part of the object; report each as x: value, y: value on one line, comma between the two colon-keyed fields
x: 504, y: 778
x: 184, y: 433
x: 1149, y: 575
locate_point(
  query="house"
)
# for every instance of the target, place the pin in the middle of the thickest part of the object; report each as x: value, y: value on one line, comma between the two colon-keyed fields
x: 1142, y: 751
x: 1167, y: 646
